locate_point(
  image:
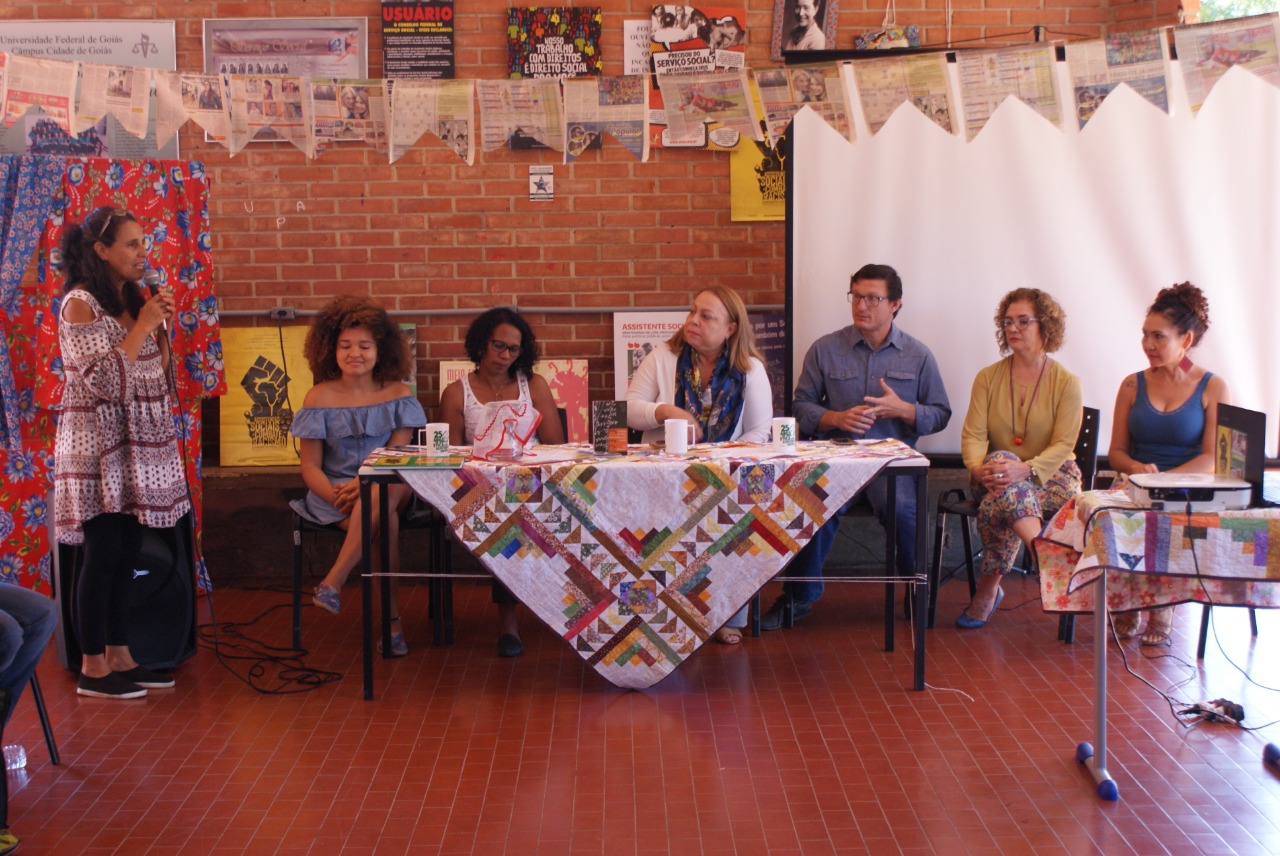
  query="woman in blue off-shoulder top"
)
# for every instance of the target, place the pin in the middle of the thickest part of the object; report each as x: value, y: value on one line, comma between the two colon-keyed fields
x: 359, y: 402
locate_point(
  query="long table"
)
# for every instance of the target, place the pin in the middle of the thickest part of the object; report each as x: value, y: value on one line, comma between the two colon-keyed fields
x: 636, y: 560
x: 1101, y: 553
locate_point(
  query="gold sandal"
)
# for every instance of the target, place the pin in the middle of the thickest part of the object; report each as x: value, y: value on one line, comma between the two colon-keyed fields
x: 1158, y: 628
x: 729, y: 635
x: 1130, y: 624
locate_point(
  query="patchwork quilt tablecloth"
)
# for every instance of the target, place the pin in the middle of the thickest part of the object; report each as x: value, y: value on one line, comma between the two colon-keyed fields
x: 637, y: 560
x: 1156, y: 558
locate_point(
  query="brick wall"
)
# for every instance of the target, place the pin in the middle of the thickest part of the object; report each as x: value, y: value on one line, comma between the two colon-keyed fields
x: 431, y: 233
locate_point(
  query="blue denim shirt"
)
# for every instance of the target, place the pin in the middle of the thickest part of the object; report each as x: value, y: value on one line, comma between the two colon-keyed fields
x: 841, y: 370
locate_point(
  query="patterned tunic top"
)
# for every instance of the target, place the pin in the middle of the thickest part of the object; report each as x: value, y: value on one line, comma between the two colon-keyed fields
x: 115, y: 451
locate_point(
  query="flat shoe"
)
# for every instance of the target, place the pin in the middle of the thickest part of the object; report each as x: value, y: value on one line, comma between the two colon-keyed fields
x: 968, y: 622
x: 327, y: 599
x: 399, y: 647
x: 510, y: 645
x: 774, y: 618
x: 146, y: 678
x: 728, y: 635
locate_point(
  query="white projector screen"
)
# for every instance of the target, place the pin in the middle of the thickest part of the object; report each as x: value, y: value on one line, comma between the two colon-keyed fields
x: 1101, y: 219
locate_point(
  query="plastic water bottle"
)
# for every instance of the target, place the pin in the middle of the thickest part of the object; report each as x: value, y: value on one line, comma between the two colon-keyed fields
x: 15, y: 757
x: 511, y: 449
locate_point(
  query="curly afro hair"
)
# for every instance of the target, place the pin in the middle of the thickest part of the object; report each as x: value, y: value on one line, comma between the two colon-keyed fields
x: 345, y: 313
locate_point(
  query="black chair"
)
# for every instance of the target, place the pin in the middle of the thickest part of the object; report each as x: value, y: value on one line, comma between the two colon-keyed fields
x: 439, y: 559
x: 1204, y: 627
x: 957, y: 502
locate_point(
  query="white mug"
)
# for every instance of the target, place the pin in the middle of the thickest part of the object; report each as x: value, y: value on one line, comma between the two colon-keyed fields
x: 677, y: 433
x: 784, y: 433
x: 435, y: 437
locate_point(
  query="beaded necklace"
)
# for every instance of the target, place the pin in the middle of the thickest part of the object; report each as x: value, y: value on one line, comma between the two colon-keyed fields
x: 1018, y: 438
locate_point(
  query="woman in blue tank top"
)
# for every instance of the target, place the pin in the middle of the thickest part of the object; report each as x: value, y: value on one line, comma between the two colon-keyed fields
x: 1166, y: 416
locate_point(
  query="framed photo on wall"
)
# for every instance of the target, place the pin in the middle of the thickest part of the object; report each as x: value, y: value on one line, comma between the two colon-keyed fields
x: 803, y: 25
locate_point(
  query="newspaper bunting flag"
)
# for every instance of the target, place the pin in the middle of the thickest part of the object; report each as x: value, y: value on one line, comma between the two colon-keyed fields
x: 122, y: 91
x: 720, y: 97
x: 235, y: 108
x: 920, y: 80
x: 618, y: 106
x: 349, y: 110
x: 521, y: 114
x: 49, y: 84
x: 443, y: 107
x: 1206, y: 52
x: 198, y: 97
x: 1139, y: 60
x: 988, y: 77
x: 783, y: 91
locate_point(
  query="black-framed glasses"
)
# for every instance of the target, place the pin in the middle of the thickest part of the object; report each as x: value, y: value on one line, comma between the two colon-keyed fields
x: 872, y: 300
x: 501, y: 348
x: 112, y: 213
x: 1022, y: 322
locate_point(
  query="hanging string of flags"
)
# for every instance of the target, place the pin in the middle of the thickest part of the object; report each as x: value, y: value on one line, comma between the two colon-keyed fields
x: 571, y: 115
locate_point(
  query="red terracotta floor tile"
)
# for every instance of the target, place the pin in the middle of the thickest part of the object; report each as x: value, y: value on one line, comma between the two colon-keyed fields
x: 807, y: 741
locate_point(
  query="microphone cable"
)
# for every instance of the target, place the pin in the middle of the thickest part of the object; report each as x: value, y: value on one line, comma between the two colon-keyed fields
x: 273, y: 670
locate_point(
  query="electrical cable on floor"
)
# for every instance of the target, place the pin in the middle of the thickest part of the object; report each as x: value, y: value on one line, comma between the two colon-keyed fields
x: 229, y: 642
x: 291, y: 675
x: 1169, y: 699
x: 1208, y: 601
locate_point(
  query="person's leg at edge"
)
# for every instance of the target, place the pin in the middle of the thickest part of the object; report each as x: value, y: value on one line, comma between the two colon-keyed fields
x: 349, y: 554
x: 30, y: 620
x: 509, y: 642
x: 807, y: 565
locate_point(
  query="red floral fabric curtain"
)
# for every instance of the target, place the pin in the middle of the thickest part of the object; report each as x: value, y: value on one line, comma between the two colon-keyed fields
x: 170, y: 200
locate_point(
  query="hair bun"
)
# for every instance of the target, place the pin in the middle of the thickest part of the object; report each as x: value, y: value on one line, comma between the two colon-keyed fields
x: 1191, y: 297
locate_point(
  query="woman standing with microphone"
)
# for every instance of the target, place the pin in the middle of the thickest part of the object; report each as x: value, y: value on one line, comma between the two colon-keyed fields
x: 116, y: 463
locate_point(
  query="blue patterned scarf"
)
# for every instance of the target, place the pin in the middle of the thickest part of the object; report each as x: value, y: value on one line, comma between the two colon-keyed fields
x: 718, y: 409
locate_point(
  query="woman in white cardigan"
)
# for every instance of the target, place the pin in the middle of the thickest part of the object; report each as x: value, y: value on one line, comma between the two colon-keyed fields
x: 710, y: 373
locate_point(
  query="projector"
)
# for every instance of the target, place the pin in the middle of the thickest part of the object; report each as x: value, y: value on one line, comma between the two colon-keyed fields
x: 1175, y: 491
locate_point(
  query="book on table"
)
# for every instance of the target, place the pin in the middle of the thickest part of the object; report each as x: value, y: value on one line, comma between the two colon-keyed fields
x: 397, y: 459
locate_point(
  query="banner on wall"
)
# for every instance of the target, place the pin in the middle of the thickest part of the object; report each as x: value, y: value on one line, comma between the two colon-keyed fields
x: 417, y: 39
x: 757, y: 182
x: 553, y: 42
x: 267, y: 378
x: 693, y: 40
x: 635, y: 334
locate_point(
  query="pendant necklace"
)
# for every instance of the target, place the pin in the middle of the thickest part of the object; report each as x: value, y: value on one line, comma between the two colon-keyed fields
x: 496, y: 391
x: 1018, y: 438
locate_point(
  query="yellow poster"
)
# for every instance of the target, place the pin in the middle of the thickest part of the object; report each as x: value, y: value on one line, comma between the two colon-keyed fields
x: 566, y: 377
x: 757, y: 182
x: 267, y: 378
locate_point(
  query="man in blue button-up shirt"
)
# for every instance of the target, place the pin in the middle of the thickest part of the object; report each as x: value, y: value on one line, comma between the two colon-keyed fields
x: 868, y: 380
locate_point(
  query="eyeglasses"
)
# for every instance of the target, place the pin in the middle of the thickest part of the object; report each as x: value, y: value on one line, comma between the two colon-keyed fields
x: 112, y: 213
x: 1022, y: 322
x: 501, y: 348
x: 872, y: 300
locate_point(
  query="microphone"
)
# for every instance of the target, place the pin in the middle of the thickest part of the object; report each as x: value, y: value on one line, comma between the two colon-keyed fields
x: 151, y: 279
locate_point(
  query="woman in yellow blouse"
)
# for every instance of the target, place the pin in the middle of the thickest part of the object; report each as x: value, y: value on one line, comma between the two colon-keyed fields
x: 1018, y: 439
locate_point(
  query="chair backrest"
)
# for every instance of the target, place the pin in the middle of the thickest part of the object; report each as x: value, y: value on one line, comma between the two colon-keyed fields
x: 1087, y: 447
